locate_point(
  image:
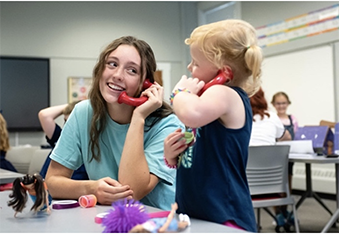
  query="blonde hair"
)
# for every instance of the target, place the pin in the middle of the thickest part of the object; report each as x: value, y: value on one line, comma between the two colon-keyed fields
x: 4, y: 141
x: 232, y: 42
x: 69, y: 108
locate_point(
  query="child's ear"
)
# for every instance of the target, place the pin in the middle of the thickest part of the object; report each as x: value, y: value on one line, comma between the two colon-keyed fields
x: 227, y: 70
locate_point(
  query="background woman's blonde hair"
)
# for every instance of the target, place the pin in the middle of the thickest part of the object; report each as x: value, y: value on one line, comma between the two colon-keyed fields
x: 232, y: 42
x: 69, y: 108
x: 4, y: 141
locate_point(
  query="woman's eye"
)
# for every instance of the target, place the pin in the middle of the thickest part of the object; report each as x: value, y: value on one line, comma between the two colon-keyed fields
x: 133, y: 71
x: 112, y: 64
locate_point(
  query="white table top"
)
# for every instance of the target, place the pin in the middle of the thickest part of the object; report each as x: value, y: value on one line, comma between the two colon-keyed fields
x: 309, y: 158
x: 8, y: 176
x: 77, y: 220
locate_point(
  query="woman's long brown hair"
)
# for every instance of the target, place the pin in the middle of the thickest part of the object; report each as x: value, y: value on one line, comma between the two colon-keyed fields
x: 148, y: 67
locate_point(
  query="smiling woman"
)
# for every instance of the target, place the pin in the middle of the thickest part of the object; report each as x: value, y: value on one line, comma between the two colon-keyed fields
x: 120, y: 145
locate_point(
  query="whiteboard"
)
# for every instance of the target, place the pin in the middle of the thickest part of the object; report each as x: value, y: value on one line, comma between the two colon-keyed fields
x: 307, y: 76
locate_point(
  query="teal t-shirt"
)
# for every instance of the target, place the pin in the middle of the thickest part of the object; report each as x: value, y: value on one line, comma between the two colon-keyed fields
x: 72, y: 150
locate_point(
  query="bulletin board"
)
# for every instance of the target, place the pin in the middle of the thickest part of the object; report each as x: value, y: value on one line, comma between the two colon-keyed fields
x: 78, y: 88
x: 308, y: 79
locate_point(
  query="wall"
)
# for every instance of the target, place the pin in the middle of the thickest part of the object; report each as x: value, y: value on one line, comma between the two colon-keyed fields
x: 72, y: 34
x: 306, y: 69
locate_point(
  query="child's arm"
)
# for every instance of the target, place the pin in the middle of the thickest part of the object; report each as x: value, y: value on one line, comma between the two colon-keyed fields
x: 195, y: 111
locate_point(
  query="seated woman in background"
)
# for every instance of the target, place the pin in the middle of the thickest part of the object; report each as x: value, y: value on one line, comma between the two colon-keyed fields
x: 281, y: 101
x: 4, y: 147
x: 52, y: 130
x: 267, y: 128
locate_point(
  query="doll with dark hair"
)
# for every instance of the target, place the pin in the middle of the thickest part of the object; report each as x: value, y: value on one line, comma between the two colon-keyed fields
x: 35, y: 186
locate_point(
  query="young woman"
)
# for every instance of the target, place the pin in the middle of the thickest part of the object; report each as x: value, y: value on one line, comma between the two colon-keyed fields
x: 120, y: 145
x: 267, y: 128
x: 281, y: 101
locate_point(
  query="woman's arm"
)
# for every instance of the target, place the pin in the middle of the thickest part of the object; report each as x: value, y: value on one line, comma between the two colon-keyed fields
x: 133, y: 167
x: 61, y: 186
x: 286, y: 136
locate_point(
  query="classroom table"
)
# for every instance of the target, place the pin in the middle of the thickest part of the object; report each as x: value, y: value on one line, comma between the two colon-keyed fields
x: 308, y: 159
x: 78, y: 219
x: 8, y: 176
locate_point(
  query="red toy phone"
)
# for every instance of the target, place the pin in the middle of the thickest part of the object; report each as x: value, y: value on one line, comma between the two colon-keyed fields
x: 221, y: 78
x: 124, y: 98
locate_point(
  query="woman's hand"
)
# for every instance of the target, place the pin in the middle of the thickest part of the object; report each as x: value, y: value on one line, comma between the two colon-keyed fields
x: 155, y: 95
x: 109, y: 190
x: 174, y: 145
x: 193, y: 85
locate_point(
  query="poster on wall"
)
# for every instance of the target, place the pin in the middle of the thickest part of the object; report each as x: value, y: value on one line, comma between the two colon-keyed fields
x: 306, y: 25
x: 78, y: 88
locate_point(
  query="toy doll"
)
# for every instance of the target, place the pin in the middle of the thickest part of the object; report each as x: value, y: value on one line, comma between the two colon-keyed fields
x: 162, y: 225
x: 35, y: 186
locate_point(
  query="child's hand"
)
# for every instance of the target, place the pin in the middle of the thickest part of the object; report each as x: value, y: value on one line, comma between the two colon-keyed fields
x: 191, y: 84
x: 174, y: 144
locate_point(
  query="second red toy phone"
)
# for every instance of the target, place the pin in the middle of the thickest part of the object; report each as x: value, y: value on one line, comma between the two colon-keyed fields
x: 220, y: 78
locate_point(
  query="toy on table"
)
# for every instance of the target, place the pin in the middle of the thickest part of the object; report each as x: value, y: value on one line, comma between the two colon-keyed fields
x: 124, y: 215
x: 132, y: 216
x: 35, y: 186
x: 87, y: 201
x: 162, y: 225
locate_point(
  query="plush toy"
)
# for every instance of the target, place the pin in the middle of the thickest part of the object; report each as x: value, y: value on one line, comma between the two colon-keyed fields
x: 35, y: 186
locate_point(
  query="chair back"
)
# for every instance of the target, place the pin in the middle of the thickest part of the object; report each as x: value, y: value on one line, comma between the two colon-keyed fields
x: 267, y: 169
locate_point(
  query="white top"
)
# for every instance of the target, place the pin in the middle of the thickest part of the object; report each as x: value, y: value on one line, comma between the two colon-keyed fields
x: 265, y: 131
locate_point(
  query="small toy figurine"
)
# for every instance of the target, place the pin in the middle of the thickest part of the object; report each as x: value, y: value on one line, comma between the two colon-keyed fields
x: 35, y: 186
x: 162, y: 225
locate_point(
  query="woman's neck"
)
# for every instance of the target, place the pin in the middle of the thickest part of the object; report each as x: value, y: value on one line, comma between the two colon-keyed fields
x: 283, y: 115
x: 121, y: 113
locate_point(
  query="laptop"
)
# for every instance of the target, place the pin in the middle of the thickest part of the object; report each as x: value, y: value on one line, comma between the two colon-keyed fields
x: 320, y: 136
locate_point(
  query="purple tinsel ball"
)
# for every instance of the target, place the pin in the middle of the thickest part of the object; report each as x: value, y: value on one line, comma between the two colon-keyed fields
x: 124, y: 215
